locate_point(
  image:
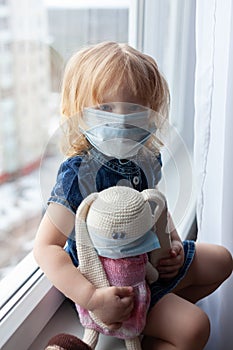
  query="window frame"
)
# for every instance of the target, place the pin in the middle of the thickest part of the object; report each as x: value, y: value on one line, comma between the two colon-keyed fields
x: 34, y: 303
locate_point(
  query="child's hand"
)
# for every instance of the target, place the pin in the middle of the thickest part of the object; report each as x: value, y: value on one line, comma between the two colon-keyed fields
x: 112, y: 305
x: 169, y: 267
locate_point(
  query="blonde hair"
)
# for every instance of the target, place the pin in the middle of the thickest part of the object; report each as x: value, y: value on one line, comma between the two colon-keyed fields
x: 108, y: 66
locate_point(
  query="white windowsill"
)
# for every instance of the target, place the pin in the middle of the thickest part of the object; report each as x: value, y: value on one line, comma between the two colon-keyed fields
x: 65, y: 320
x: 34, y: 307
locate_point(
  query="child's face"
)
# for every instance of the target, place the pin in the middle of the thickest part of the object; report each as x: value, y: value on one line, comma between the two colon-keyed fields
x: 119, y: 125
x: 124, y: 95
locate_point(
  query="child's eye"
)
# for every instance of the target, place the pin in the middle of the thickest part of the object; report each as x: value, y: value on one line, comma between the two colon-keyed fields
x: 135, y: 108
x: 106, y: 108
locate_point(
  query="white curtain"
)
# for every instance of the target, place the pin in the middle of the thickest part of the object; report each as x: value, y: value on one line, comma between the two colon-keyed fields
x: 213, y: 150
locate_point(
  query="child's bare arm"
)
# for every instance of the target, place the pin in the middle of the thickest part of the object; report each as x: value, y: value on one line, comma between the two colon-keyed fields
x: 51, y: 237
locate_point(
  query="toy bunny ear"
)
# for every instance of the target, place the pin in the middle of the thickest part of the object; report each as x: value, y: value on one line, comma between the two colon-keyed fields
x: 156, y: 196
x: 89, y: 263
x: 83, y: 208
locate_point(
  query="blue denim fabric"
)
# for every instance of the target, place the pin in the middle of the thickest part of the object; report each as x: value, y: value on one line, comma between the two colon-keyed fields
x: 160, y: 287
x: 93, y: 172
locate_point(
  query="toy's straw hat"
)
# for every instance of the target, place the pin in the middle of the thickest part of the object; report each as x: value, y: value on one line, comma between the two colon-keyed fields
x: 120, y: 209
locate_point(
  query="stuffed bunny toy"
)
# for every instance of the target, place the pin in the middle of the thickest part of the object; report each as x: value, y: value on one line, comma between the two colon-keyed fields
x: 114, y: 233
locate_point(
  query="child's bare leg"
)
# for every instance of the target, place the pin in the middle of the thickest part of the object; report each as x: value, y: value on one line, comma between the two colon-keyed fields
x: 174, y: 323
x: 211, y: 266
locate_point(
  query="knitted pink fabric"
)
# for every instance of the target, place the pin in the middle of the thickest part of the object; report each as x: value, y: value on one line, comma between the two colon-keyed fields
x: 125, y: 272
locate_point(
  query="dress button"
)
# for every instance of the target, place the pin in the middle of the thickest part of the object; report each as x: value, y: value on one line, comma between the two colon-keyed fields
x: 136, y: 180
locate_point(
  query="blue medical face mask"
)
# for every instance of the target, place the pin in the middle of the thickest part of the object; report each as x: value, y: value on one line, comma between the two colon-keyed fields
x: 119, y: 135
x: 123, y: 248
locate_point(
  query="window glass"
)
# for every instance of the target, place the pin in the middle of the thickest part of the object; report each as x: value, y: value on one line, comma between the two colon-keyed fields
x: 36, y: 39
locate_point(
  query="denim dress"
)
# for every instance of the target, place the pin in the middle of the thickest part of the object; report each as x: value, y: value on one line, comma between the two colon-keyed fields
x: 82, y: 175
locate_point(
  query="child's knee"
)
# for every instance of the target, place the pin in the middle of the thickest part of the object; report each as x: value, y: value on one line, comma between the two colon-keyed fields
x: 227, y: 262
x: 197, y: 332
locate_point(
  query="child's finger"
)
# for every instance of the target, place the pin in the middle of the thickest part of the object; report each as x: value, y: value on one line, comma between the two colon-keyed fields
x: 169, y: 268
x: 175, y: 250
x: 124, y: 291
x: 170, y: 262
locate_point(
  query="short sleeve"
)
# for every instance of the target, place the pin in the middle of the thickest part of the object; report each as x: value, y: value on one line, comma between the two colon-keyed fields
x: 66, y: 190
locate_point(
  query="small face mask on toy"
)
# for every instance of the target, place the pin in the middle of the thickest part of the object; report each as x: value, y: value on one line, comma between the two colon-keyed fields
x: 114, y: 233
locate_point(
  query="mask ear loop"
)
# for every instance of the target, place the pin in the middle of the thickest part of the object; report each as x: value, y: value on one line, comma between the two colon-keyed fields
x: 160, y: 217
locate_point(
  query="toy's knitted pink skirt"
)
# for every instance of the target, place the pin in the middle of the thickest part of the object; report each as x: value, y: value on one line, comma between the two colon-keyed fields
x: 125, y: 272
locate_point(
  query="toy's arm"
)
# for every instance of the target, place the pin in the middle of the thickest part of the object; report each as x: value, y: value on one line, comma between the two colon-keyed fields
x: 151, y: 273
x: 163, y: 228
x: 170, y: 257
x: 169, y: 266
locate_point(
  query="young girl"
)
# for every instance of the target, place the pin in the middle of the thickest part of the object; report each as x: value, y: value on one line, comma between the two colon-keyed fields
x: 103, y: 75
